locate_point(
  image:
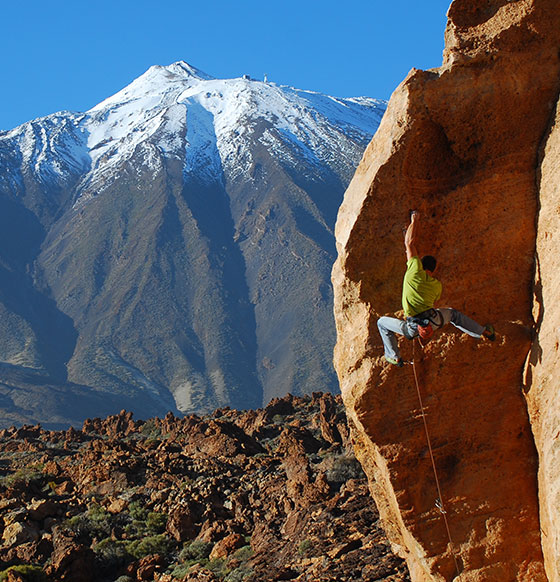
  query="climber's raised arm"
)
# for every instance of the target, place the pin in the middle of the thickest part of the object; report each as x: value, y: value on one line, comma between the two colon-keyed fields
x: 410, y: 236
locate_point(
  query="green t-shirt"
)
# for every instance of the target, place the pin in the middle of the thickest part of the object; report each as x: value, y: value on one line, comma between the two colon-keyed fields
x: 420, y: 291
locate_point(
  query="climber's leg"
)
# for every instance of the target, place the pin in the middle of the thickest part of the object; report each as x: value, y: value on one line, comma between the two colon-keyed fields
x: 388, y: 327
x: 461, y: 321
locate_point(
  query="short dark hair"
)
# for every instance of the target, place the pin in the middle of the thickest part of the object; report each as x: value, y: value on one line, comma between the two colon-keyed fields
x: 429, y: 263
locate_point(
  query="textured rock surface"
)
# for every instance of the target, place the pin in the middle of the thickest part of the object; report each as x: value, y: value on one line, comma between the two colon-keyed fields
x: 543, y: 368
x: 258, y: 496
x: 461, y: 144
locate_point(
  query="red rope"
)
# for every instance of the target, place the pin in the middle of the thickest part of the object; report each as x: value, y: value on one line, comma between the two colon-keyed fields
x: 439, y: 505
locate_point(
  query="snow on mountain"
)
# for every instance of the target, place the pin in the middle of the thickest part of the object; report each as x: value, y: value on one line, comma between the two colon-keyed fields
x: 159, y: 106
x: 159, y: 102
x: 51, y: 148
x: 178, y: 106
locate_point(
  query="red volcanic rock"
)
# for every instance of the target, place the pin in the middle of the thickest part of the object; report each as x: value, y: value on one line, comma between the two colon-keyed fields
x: 14, y: 576
x: 116, y: 426
x: 148, y: 566
x: 211, y: 437
x: 329, y: 419
x: 462, y: 144
x: 281, y: 406
x: 179, y: 488
x: 181, y: 524
x: 64, y: 488
x: 19, y: 533
x: 71, y: 561
x: 31, y: 552
x: 72, y: 436
x: 226, y: 546
x: 39, y: 509
x: 302, y: 489
x: 212, y: 531
x: 117, y: 505
x: 27, y: 432
x: 201, y: 575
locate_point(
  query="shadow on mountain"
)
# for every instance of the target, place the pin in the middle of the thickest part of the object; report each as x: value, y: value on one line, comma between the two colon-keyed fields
x: 22, y: 400
x: 223, y: 296
x: 54, y: 336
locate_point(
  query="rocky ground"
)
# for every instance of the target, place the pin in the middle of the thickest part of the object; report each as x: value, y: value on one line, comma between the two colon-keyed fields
x: 272, y: 494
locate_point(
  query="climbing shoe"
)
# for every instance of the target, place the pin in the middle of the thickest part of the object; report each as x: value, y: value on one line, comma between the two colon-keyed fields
x: 398, y: 362
x: 489, y: 333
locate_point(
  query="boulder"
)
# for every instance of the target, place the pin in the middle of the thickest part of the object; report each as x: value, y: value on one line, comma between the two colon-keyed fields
x: 39, y: 509
x: 226, y: 546
x: 117, y: 505
x: 71, y: 561
x: 181, y: 524
x: 19, y: 533
x: 148, y: 566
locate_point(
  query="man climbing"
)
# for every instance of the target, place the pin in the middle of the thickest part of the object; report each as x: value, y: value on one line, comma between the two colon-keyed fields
x: 420, y: 292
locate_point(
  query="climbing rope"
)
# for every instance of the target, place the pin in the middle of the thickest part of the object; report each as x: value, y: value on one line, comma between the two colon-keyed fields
x: 439, y: 500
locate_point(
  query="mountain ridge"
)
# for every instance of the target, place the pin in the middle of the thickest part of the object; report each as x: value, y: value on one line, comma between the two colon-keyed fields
x: 180, y: 235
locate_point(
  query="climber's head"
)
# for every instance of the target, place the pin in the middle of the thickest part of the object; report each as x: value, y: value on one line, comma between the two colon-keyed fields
x: 429, y: 263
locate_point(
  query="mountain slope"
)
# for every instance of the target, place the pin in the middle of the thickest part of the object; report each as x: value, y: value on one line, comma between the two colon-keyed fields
x: 174, y: 242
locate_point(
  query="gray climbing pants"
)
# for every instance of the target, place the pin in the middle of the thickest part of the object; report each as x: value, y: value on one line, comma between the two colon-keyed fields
x: 389, y: 326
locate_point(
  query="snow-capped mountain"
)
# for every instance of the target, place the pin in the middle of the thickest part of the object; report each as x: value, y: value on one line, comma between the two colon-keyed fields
x: 170, y: 249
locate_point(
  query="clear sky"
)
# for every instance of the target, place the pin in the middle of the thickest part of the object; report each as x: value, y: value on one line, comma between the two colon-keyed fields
x: 62, y: 54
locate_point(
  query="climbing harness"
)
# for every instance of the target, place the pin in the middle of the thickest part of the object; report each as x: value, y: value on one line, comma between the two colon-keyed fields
x: 425, y: 322
x: 439, y: 501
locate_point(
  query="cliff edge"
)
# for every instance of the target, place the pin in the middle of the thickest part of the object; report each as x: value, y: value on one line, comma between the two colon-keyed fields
x: 475, y: 148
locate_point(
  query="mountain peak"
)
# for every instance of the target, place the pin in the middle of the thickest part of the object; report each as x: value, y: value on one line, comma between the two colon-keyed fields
x: 157, y: 81
x: 185, y: 69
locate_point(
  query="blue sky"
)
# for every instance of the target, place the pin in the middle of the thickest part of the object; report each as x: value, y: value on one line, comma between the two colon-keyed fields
x: 65, y: 54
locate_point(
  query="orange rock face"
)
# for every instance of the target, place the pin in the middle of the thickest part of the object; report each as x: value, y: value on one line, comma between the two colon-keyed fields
x: 463, y: 144
x: 543, y: 366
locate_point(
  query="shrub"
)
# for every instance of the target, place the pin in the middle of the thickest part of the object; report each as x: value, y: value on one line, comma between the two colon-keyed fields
x: 341, y: 468
x: 151, y: 430
x: 158, y: 544
x: 304, y: 547
x: 137, y: 511
x: 195, y: 551
x: 181, y: 571
x: 142, y: 522
x: 243, y: 554
x: 218, y: 566
x: 24, y: 476
x: 30, y: 573
x: 112, y: 552
x: 95, y: 522
x: 156, y: 522
x: 239, y: 574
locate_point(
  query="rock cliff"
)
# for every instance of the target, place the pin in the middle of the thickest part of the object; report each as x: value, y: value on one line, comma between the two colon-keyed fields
x: 543, y: 366
x: 473, y: 146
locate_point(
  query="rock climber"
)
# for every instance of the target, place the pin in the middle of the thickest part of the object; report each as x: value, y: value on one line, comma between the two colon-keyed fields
x: 420, y: 293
